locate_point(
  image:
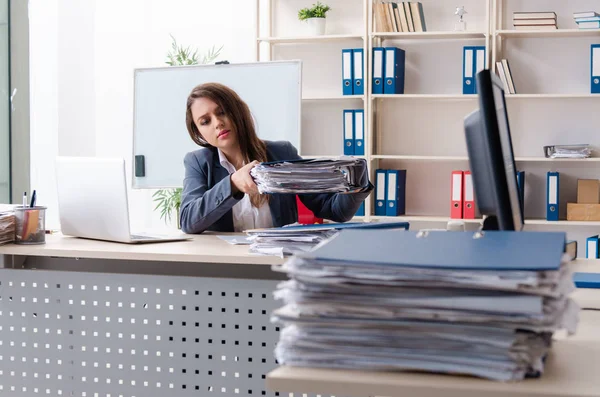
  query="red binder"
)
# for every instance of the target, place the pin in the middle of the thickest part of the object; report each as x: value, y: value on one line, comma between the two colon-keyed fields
x: 468, y: 196
x: 306, y: 216
x: 456, y: 195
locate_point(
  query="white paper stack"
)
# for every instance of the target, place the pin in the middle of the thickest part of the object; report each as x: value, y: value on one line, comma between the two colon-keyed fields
x: 311, y: 176
x: 7, y: 223
x: 297, y: 238
x: 446, y: 302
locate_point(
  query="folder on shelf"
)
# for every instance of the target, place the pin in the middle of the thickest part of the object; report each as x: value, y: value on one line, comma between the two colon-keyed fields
x: 418, y: 17
x: 479, y: 61
x: 347, y: 72
x: 380, y: 192
x: 396, y: 192
x: 361, y: 210
x: 348, y: 132
x: 469, y: 196
x: 552, y: 192
x: 402, y: 18
x: 378, y: 62
x: 394, y: 70
x: 521, y: 187
x: 468, y: 69
x: 456, y: 191
x: 591, y: 247
x: 358, y: 72
x: 359, y: 132
x: 595, y: 68
x: 409, y: 16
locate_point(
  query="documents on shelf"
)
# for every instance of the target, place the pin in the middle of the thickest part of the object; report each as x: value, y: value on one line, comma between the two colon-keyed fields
x: 485, y: 305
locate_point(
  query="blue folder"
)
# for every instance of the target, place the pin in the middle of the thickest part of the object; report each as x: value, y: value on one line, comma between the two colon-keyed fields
x: 394, y: 70
x: 595, y: 68
x: 552, y: 195
x: 494, y: 250
x: 347, y: 72
x: 586, y: 280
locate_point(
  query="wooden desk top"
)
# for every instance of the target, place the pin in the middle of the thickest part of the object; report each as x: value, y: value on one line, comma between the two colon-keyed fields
x: 571, y: 370
x: 204, y: 248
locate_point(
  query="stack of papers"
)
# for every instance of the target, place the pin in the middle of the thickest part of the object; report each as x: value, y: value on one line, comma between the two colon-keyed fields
x: 7, y: 223
x: 568, y: 151
x: 296, y: 238
x: 311, y: 176
x: 458, y: 303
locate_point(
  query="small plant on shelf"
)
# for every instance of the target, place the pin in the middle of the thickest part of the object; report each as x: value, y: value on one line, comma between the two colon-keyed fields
x: 315, y: 17
x: 316, y: 11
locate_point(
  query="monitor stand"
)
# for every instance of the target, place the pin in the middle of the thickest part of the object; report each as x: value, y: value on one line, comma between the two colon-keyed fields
x: 490, y: 223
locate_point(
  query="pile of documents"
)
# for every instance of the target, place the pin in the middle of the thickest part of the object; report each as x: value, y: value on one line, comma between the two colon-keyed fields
x: 568, y: 151
x: 7, y: 224
x: 445, y: 302
x: 295, y: 239
x: 345, y: 174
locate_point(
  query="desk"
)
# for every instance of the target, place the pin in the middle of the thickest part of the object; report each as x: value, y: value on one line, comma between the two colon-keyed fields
x: 89, y: 318
x: 572, y: 368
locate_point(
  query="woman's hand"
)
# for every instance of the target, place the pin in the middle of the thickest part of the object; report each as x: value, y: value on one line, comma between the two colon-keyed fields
x: 241, y: 180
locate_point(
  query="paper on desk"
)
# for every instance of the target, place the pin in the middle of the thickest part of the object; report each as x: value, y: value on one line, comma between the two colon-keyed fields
x: 235, y: 240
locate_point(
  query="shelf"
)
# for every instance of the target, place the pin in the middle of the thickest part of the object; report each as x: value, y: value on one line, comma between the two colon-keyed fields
x: 333, y: 98
x: 445, y: 219
x: 327, y: 156
x: 562, y: 223
x: 550, y: 33
x: 449, y: 35
x: 532, y: 159
x: 309, y: 39
x: 419, y: 218
x: 469, y: 97
x: 550, y: 96
x: 418, y: 158
x: 544, y: 159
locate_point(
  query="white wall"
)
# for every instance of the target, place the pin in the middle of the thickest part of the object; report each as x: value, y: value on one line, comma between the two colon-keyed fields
x: 83, y: 54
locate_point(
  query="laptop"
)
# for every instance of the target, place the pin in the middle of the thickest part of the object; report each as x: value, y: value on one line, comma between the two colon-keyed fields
x: 92, y: 201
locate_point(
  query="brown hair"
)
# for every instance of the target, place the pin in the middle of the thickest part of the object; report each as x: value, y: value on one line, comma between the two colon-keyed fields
x: 238, y: 112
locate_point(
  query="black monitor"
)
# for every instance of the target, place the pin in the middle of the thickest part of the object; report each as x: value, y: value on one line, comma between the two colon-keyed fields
x: 491, y: 157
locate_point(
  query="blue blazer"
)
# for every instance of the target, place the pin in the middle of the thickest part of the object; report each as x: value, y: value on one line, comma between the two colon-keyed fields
x: 207, y: 199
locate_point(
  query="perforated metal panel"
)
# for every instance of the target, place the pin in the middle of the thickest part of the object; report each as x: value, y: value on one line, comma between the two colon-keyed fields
x: 94, y: 334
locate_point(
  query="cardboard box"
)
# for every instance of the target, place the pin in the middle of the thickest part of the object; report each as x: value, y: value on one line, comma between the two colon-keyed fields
x: 583, y: 212
x: 588, y: 191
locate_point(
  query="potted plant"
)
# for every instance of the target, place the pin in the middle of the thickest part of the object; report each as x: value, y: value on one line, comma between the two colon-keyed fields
x: 168, y: 201
x: 315, y: 17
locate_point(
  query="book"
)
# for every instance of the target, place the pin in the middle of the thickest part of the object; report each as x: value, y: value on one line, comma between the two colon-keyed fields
x: 585, y: 14
x: 535, y: 15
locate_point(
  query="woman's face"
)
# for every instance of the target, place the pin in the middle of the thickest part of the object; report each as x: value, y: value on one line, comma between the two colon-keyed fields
x: 213, y: 123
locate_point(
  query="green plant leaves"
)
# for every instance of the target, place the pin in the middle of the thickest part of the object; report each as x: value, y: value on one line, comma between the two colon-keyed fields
x: 169, y: 200
x: 316, y: 11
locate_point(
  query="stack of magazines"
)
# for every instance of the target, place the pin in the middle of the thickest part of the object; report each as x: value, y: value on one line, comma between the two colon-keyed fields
x: 295, y: 239
x: 444, y: 302
x: 345, y: 174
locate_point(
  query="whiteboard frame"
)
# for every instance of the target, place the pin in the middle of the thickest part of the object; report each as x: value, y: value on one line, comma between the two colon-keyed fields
x: 135, y: 70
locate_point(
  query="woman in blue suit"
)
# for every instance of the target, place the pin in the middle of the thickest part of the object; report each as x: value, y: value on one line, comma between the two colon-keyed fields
x: 218, y: 192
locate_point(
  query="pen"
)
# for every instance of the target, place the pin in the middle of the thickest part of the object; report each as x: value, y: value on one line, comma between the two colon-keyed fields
x: 24, y: 199
x: 32, y: 199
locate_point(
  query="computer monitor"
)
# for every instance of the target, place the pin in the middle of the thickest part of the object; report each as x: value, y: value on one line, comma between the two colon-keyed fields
x: 491, y: 158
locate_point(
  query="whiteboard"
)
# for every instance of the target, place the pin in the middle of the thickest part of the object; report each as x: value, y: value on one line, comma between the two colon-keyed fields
x: 272, y: 90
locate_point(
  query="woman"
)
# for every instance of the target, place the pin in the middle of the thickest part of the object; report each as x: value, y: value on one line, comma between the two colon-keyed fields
x: 218, y: 192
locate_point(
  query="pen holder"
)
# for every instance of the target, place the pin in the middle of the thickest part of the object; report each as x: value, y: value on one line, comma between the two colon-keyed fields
x: 30, y: 224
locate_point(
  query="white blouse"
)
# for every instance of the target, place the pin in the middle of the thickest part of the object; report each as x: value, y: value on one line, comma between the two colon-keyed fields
x: 245, y: 216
